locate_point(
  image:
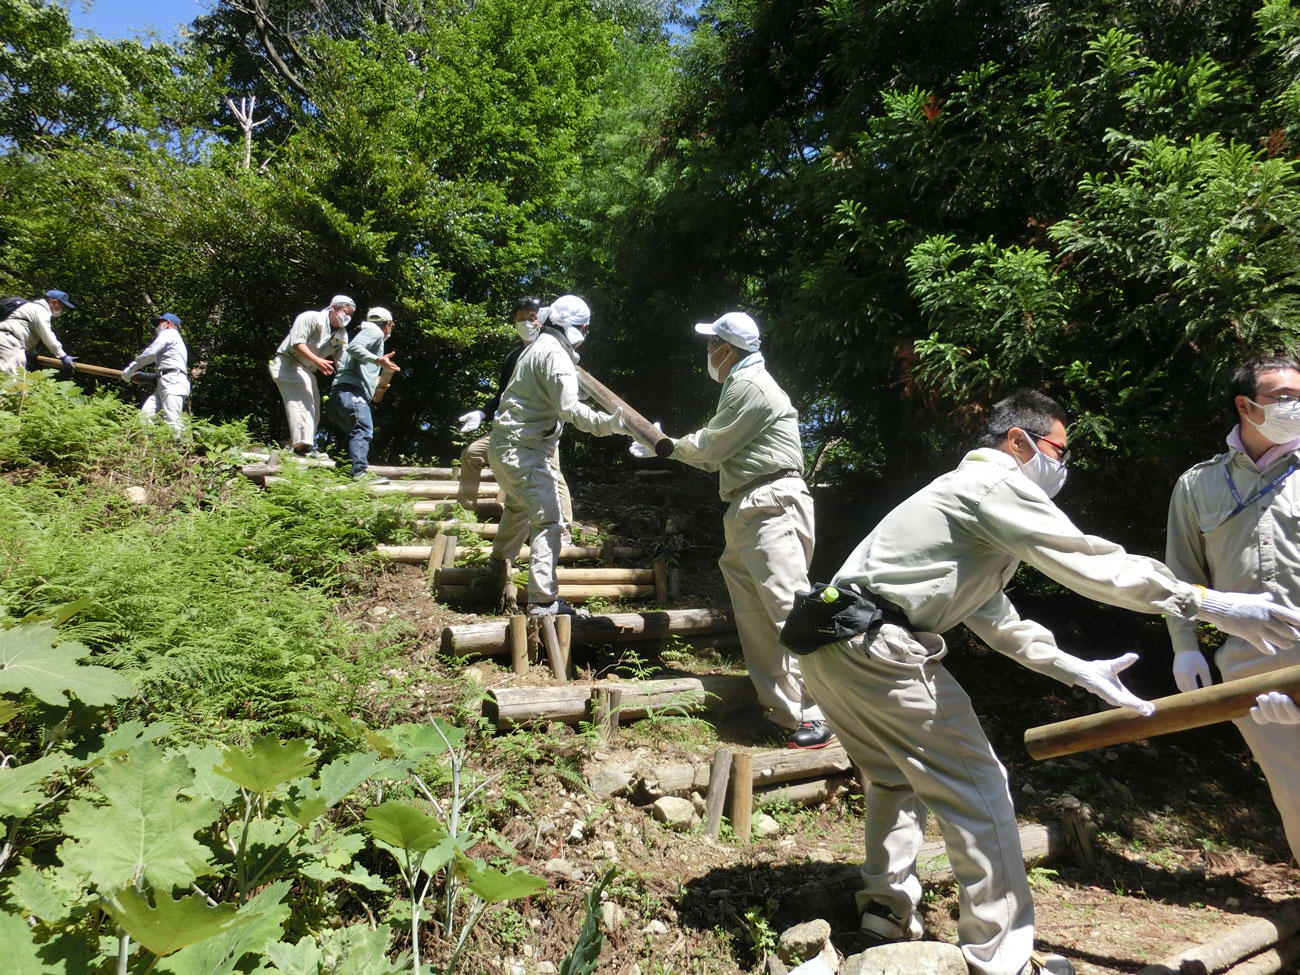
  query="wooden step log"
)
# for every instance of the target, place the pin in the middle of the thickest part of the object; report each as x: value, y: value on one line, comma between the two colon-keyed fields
x: 420, y: 553
x: 771, y: 766
x: 583, y: 576
x: 576, y: 594
x: 431, y: 489
x: 468, y: 639
x: 484, y: 509
x: 265, y: 460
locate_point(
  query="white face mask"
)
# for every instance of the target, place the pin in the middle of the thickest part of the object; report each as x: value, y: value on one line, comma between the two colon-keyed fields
x: 715, y: 372
x: 527, y: 330
x: 1048, y: 474
x: 344, y: 319
x: 56, y: 312
x: 575, y: 335
x: 1281, y: 423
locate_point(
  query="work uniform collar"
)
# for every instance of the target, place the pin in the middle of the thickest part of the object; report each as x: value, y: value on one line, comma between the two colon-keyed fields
x: 558, y: 334
x: 990, y: 455
x: 1269, y: 457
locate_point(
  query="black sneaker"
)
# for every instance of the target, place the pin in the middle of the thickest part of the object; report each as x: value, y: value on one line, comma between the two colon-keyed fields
x: 810, y: 734
x: 557, y: 608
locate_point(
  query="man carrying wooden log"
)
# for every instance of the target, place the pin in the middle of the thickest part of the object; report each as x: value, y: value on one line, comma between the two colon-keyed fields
x: 474, y: 456
x: 942, y: 558
x: 27, y: 323
x: 753, y: 443
x: 171, y: 360
x: 1234, y: 522
x: 541, y: 396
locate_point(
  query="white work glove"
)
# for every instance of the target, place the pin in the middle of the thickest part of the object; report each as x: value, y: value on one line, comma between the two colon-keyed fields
x: 128, y: 372
x: 1274, y: 707
x: 471, y: 421
x: 1191, y: 671
x: 639, y: 450
x: 1101, y: 677
x: 1253, y: 617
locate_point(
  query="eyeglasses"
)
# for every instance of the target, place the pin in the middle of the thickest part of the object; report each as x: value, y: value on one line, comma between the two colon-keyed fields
x: 1062, y: 451
x: 1275, y: 398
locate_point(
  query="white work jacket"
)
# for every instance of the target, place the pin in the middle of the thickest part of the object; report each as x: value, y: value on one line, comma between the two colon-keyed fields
x: 945, y: 554
x: 1255, y: 550
x: 30, y: 323
x: 754, y: 432
x: 171, y: 360
x: 541, y: 396
x: 312, y: 329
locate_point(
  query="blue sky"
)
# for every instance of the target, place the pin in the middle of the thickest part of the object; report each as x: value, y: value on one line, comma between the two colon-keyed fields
x: 127, y: 18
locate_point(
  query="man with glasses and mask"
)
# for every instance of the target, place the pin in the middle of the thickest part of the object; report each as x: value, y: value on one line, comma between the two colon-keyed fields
x: 1234, y: 522
x: 314, y: 344
x: 941, y: 558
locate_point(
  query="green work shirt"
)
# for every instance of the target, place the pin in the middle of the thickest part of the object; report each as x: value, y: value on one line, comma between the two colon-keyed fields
x: 754, y: 432
x: 359, y: 366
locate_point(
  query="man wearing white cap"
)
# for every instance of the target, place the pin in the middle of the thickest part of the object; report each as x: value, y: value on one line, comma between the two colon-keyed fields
x: 29, y: 323
x: 316, y: 339
x: 541, y: 396
x: 358, y: 383
x: 753, y: 443
x: 172, y: 360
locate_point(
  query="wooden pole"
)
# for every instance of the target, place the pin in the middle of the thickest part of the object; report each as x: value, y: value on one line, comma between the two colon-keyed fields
x: 1177, y: 712
x: 484, y: 509
x: 580, y: 576
x: 569, y: 703
x: 742, y: 795
x: 720, y: 772
x: 103, y: 372
x: 518, y: 643
x: 639, y: 427
x: 572, y: 594
x: 449, y: 553
x: 552, y: 643
x: 608, y: 553
x: 534, y: 645
x: 564, y: 639
x: 605, y: 705
x: 435, y: 554
x: 661, y: 583
x: 432, y: 489
x: 466, y: 639
x: 1230, y: 948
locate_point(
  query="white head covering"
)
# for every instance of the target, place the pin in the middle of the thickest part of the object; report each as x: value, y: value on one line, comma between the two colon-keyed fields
x: 566, y: 310
x: 735, y: 328
x: 338, y: 300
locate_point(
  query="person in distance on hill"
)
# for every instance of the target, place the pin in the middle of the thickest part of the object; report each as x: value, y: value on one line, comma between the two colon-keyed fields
x: 358, y: 383
x: 474, y: 456
x: 753, y: 443
x: 29, y: 323
x: 941, y: 558
x: 541, y: 396
x: 1234, y: 523
x: 315, y: 341
x: 172, y: 364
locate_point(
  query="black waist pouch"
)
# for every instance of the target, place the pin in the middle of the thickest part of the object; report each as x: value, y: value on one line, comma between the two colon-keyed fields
x: 829, y: 614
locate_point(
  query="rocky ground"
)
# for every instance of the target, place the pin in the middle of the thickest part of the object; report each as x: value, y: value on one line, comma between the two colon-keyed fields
x: 1187, y: 842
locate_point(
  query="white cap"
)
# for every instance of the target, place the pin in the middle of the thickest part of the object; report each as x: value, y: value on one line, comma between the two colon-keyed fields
x: 379, y: 314
x: 736, y: 328
x: 338, y: 300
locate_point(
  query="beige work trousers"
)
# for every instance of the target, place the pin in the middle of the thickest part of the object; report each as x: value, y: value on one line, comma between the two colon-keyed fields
x: 532, y: 511
x: 1276, y: 747
x: 171, y: 405
x: 301, y: 395
x: 472, y: 461
x: 13, y: 354
x: 909, y: 726
x: 769, y: 535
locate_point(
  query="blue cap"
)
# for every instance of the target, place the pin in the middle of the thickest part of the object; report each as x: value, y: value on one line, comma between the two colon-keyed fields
x: 61, y: 297
x: 168, y: 317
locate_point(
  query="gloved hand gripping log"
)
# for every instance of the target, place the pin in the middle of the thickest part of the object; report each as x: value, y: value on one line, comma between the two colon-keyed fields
x: 637, y: 426
x: 104, y: 372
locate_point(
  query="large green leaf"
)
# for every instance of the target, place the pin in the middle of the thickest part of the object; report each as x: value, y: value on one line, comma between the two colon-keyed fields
x: 143, y: 828
x: 49, y: 893
x: 403, y: 826
x: 208, y: 783
x: 20, y: 951
x: 360, y: 950
x: 21, y: 786
x: 220, y: 955
x: 303, y: 958
x: 172, y: 924
x: 421, y: 741
x: 493, y: 885
x: 268, y: 764
x: 32, y: 658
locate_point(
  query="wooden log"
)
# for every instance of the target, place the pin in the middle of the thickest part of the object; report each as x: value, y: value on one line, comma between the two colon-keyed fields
x: 435, y: 555
x: 431, y: 489
x: 551, y: 641
x: 513, y: 707
x: 467, y: 575
x: 564, y: 637
x: 488, y: 530
x: 534, y: 640
x: 742, y: 796
x: 518, y: 626
x: 719, y: 774
x: 103, y: 372
x: 812, y: 792
x: 266, y: 467
x: 484, y: 509
x: 465, y: 639
x: 449, y: 553
x: 768, y: 766
x: 660, y: 572
x: 606, y: 702
x: 1177, y: 712
x: 1230, y: 948
x: 639, y: 427
x: 571, y: 594
x: 420, y: 553
x: 1270, y: 962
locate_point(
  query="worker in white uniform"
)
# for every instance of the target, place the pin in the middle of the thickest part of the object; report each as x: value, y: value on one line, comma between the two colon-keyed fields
x: 941, y: 558
x: 753, y: 443
x: 1234, y: 523
x: 315, y: 341
x: 541, y: 396
x: 171, y: 361
x: 474, y: 456
x: 28, y: 324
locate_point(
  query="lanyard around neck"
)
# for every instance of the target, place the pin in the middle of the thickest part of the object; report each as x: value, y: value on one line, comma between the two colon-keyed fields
x: 1243, y: 505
